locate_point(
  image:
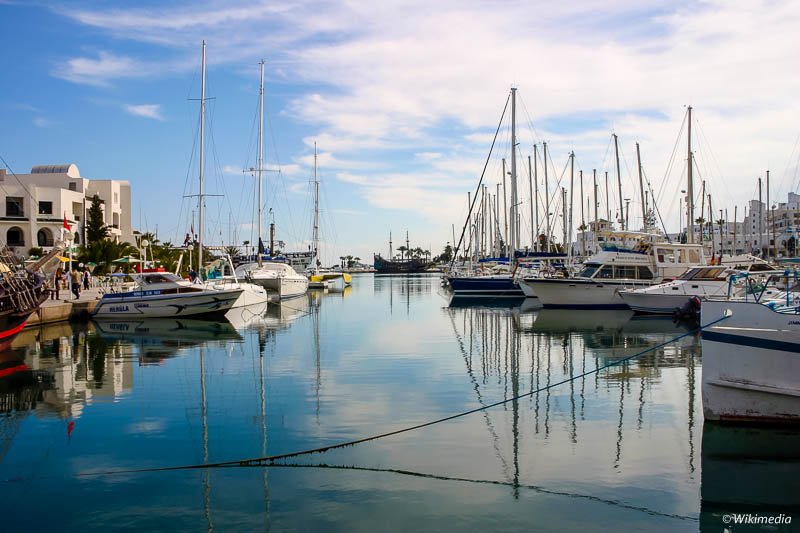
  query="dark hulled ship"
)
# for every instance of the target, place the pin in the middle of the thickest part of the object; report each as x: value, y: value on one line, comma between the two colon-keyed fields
x: 21, y: 294
x: 405, y: 265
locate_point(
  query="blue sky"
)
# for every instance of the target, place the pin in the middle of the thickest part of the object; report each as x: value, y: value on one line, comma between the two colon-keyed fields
x: 402, y: 99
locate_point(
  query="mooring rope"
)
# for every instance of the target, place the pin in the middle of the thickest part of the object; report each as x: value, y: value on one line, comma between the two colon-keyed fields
x: 262, y: 461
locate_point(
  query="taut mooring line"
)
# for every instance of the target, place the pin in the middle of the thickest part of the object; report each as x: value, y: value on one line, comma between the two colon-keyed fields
x: 272, y: 458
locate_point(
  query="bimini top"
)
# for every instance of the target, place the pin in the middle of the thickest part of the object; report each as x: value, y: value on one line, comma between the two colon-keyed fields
x: 71, y: 170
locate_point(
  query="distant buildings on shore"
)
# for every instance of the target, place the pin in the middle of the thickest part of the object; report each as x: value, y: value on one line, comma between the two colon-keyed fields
x: 34, y: 206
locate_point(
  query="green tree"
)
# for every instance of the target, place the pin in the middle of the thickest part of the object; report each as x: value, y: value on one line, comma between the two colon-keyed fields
x: 35, y: 252
x: 402, y: 250
x: 96, y: 229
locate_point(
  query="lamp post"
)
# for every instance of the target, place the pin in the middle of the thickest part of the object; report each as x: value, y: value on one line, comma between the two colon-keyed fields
x: 190, y: 248
x: 145, y: 244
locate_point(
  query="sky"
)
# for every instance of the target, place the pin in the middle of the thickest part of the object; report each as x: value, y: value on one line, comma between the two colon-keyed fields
x: 402, y: 100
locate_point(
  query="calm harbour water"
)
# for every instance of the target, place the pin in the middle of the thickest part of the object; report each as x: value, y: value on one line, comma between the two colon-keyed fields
x: 623, y: 449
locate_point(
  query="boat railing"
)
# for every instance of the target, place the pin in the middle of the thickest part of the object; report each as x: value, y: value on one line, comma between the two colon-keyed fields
x: 757, y: 289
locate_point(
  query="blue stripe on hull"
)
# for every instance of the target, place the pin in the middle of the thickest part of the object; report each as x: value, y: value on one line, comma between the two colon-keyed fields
x: 753, y: 342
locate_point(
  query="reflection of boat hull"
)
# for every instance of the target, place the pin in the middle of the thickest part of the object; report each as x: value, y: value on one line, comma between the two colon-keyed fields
x: 751, y: 363
x: 577, y: 320
x: 153, y: 304
x: 580, y: 293
x: 10, y: 326
x: 485, y: 286
x: 156, y: 330
x: 464, y: 302
x: 748, y: 469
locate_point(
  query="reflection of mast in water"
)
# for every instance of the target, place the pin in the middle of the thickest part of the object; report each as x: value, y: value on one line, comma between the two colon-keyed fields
x: 206, y: 471
x: 515, y: 408
x: 583, y: 379
x: 621, y: 410
x: 574, y: 432
x: 316, y: 318
x: 264, y: 438
x: 691, y: 371
x: 468, y: 362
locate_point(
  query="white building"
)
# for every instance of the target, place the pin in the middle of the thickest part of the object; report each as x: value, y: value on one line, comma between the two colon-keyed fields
x: 34, y: 206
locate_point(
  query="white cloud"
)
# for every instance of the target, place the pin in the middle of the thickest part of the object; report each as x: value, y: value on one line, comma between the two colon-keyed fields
x: 417, y: 78
x: 100, y: 71
x: 145, y: 110
x: 42, y: 122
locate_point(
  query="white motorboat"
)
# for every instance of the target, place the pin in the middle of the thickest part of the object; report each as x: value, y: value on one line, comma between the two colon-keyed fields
x: 279, y: 278
x: 252, y: 294
x: 751, y: 361
x: 612, y: 270
x: 702, y: 282
x: 163, y: 294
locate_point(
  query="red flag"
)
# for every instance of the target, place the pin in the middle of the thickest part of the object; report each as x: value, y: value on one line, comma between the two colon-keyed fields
x: 66, y: 226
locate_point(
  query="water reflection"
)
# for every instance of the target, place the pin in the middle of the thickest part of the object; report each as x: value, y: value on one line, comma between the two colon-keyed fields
x: 500, y: 337
x: 619, y: 447
x: 749, y: 470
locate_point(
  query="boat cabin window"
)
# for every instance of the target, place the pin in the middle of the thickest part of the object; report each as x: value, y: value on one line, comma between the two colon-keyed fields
x: 587, y: 272
x: 682, y: 256
x: 607, y: 272
x: 625, y: 272
x: 694, y: 256
x: 665, y: 255
x: 689, y: 274
x: 760, y: 267
x: 644, y: 272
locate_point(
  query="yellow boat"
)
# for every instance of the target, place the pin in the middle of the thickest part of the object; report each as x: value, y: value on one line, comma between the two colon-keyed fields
x: 327, y: 276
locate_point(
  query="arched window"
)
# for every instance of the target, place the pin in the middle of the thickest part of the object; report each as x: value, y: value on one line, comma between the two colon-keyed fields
x: 15, y: 237
x: 77, y: 237
x: 44, y: 237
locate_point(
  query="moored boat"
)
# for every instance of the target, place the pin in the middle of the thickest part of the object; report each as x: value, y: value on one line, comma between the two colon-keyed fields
x: 162, y: 294
x: 751, y: 361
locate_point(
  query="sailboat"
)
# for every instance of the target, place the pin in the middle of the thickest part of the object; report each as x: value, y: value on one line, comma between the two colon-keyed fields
x: 162, y: 294
x: 277, y: 277
x: 315, y: 274
x: 504, y: 283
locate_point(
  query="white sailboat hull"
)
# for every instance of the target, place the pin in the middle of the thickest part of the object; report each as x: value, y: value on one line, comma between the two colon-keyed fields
x: 751, y: 363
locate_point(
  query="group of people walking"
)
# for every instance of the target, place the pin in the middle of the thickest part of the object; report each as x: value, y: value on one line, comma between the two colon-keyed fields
x: 74, y: 277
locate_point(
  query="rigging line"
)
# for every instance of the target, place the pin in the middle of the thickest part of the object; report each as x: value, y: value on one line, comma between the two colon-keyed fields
x: 535, y: 488
x: 186, y: 179
x: 789, y: 164
x: 671, y: 161
x: 655, y: 206
x: 322, y: 449
x: 480, y: 181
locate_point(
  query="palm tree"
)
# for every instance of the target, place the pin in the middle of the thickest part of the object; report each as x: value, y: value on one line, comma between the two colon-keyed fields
x: 341, y: 260
x: 402, y: 251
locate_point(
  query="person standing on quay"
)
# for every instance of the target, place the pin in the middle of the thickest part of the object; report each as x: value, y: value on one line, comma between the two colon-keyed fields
x: 75, y: 277
x: 86, y: 279
x: 56, y: 283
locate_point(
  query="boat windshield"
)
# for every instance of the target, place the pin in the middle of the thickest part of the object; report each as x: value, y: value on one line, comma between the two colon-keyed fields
x: 161, y: 277
x: 587, y: 272
x: 707, y: 273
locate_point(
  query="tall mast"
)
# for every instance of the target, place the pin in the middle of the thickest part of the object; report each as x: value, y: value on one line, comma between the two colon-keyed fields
x: 619, y: 184
x: 596, y: 225
x: 608, y: 205
x: 530, y: 191
x: 571, y: 195
x: 760, y: 217
x: 261, y: 148
x: 690, y: 185
x: 535, y: 198
x: 641, y: 188
x: 316, y: 212
x: 202, y: 136
x: 514, y: 233
x: 505, y: 212
x: 546, y: 195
